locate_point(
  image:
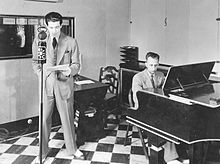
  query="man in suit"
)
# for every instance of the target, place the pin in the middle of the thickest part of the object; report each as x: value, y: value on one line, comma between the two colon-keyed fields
x: 151, y: 78
x: 58, y: 85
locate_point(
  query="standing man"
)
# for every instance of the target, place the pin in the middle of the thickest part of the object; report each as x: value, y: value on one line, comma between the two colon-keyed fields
x: 58, y: 85
x: 151, y: 78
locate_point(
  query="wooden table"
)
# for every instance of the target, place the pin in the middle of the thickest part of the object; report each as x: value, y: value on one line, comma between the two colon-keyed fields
x: 87, y: 96
x: 91, y: 94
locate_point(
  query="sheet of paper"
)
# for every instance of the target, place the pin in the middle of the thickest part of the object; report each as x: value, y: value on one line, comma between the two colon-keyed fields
x: 58, y: 67
x: 84, y: 82
x: 180, y: 99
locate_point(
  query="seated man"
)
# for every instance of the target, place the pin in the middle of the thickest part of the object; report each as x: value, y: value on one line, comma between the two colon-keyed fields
x: 151, y: 78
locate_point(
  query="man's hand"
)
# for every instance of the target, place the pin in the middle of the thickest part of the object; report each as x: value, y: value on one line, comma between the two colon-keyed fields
x: 67, y: 71
x: 64, y: 74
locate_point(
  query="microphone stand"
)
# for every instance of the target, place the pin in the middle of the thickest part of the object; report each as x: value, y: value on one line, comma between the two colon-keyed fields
x: 41, y: 113
x: 41, y: 60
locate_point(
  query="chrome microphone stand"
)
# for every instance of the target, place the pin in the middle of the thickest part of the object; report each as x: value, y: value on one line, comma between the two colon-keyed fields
x: 41, y: 60
x: 41, y: 114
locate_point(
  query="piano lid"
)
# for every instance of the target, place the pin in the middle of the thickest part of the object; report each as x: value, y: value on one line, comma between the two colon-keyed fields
x: 186, y: 76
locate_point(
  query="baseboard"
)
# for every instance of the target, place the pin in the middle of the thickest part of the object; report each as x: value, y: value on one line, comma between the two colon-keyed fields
x: 24, y: 126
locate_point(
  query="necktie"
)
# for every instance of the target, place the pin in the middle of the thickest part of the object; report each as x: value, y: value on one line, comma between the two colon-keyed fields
x: 152, y: 80
x: 54, y: 43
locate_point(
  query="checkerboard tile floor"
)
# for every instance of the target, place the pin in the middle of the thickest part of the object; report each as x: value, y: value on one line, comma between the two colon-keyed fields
x: 108, y: 150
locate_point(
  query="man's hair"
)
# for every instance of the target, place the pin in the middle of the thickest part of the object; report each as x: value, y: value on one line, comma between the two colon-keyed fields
x: 53, y: 17
x: 153, y: 55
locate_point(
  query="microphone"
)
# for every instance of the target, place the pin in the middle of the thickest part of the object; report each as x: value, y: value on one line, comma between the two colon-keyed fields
x: 42, y: 45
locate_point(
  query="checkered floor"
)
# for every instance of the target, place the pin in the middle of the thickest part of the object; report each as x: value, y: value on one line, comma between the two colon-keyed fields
x: 108, y: 150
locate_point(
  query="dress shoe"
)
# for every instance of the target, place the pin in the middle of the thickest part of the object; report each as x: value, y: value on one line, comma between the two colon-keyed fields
x: 79, y: 155
x: 185, y: 161
x: 174, y: 162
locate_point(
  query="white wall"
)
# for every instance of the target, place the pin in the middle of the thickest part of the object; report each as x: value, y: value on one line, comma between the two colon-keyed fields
x: 191, y: 34
x: 117, y: 25
x: 147, y: 27
x: 18, y: 90
x: 204, y: 32
x: 101, y: 28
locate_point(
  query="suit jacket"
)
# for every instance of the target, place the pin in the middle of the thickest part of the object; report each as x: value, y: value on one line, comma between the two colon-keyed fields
x: 142, y: 80
x: 67, y: 52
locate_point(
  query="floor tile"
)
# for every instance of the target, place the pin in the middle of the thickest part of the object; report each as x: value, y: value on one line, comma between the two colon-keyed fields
x: 102, y: 156
x: 24, y: 159
x: 63, y: 154
x: 122, y: 127
x: 118, y: 148
x: 121, y: 133
x: 74, y: 161
x: 135, y: 134
x: 8, y: 158
x: 49, y: 160
x: 61, y: 161
x: 110, y: 132
x: 95, y: 162
x: 60, y: 130
x: 56, y: 143
x: 138, y: 159
x: 89, y: 146
x: 120, y: 140
x: 137, y: 150
x: 53, y: 152
x: 35, y: 142
x: 121, y: 158
x: 31, y: 150
x: 52, y: 134
x: 134, y: 128
x: 24, y: 141
x: 4, y: 147
x: 16, y: 149
x: 104, y: 147
x: 58, y: 136
x: 108, y: 139
x: 136, y: 142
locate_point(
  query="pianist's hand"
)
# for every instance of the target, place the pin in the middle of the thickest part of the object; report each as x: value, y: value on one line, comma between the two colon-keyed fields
x: 133, y: 108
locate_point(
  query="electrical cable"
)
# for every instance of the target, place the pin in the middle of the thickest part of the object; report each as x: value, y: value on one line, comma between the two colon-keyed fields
x: 4, y: 133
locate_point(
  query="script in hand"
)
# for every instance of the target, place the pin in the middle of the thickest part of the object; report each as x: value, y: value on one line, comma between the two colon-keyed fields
x: 84, y: 82
x: 58, y: 68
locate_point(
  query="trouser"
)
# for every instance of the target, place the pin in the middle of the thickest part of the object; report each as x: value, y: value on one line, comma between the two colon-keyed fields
x: 65, y: 109
x: 170, y: 152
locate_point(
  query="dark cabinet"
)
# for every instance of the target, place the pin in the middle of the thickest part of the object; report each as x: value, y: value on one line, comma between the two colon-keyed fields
x: 129, y: 57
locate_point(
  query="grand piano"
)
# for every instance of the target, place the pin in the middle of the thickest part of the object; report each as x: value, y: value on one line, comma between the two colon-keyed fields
x: 185, y: 110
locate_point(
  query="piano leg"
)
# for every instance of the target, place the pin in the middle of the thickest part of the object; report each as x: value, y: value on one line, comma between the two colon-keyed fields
x: 156, y: 157
x: 143, y: 142
x: 156, y: 151
x: 197, y: 152
x: 205, y: 148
